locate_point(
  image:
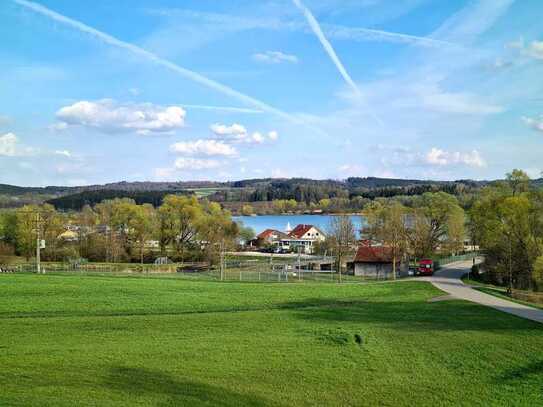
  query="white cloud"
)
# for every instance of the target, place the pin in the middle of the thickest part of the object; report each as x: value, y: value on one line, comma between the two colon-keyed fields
x: 64, y: 153
x: 535, y: 50
x: 536, y: 124
x: 135, y: 50
x: 58, y: 127
x: 440, y: 157
x: 184, y: 163
x: 109, y: 116
x: 257, y: 138
x: 224, y: 130
x: 236, y: 133
x: 275, y: 57
x: 8, y: 145
x: 203, y: 148
x: 11, y: 147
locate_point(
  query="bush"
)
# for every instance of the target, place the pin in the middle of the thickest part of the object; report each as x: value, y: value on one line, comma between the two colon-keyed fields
x: 6, y: 249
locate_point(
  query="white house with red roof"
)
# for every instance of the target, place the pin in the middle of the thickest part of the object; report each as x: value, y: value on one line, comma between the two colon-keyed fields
x: 271, y: 236
x: 304, y: 237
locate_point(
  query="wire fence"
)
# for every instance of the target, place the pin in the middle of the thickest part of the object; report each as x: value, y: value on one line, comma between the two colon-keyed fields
x: 266, y: 270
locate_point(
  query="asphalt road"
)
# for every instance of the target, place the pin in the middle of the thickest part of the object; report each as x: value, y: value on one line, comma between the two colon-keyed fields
x: 448, y: 279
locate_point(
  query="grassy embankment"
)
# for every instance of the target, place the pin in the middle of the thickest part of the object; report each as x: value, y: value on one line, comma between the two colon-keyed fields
x: 81, y: 340
x: 501, y: 292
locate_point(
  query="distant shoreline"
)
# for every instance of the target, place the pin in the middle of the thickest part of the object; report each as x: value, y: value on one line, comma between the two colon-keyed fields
x: 301, y: 214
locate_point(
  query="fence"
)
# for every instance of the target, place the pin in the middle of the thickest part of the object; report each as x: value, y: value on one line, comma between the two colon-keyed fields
x: 463, y: 257
x: 280, y: 270
x: 245, y: 271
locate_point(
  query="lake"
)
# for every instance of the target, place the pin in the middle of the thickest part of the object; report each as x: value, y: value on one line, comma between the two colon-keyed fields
x: 279, y: 222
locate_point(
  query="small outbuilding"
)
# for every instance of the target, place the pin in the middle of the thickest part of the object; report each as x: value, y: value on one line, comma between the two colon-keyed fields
x: 374, y: 261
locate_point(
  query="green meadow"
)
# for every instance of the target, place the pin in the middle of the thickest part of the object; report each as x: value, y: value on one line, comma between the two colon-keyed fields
x: 70, y: 340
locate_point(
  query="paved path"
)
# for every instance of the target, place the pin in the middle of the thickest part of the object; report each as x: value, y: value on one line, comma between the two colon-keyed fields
x: 448, y: 279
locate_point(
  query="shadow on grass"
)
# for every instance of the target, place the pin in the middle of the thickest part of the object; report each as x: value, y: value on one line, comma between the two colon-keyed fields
x: 412, y: 316
x: 531, y: 369
x: 161, y: 386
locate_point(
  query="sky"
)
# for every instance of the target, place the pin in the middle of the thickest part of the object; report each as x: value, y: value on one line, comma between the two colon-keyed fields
x: 177, y: 90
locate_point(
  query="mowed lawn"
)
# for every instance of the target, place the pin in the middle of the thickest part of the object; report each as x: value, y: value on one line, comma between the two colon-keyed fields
x: 87, y: 340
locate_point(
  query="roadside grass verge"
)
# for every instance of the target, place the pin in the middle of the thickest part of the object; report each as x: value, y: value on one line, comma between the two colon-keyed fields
x: 497, y: 291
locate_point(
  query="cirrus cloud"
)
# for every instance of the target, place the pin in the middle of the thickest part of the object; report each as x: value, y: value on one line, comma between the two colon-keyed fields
x: 109, y: 116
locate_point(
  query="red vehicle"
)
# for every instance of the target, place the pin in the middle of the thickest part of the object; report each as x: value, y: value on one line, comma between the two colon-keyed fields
x: 425, y: 268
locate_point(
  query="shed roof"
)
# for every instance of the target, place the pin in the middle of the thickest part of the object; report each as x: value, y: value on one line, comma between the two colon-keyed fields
x: 373, y: 254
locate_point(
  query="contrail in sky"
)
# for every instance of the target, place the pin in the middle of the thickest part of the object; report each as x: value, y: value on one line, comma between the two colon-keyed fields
x: 367, y: 34
x: 314, y: 24
x: 191, y: 75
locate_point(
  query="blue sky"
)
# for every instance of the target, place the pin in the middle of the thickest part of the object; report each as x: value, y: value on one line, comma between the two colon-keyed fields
x: 224, y: 90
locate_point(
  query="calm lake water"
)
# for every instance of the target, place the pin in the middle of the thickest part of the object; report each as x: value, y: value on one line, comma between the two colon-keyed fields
x: 279, y: 222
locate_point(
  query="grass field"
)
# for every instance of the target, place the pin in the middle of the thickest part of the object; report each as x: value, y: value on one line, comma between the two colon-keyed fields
x: 88, y: 340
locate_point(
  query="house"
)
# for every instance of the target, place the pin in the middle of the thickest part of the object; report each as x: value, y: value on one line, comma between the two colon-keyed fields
x: 308, y: 232
x: 375, y: 261
x: 270, y: 236
x: 304, y: 237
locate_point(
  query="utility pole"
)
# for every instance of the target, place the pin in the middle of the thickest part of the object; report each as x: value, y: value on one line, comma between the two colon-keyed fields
x: 38, y: 243
x: 221, y: 260
x: 299, y: 265
x: 510, y: 288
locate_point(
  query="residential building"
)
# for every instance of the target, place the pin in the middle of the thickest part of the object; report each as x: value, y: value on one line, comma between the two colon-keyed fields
x: 270, y: 237
x: 303, y: 238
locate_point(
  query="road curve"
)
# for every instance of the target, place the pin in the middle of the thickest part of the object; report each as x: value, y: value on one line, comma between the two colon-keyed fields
x: 448, y: 279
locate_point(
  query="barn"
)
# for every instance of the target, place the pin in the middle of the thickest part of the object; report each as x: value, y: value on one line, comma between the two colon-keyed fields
x: 374, y: 261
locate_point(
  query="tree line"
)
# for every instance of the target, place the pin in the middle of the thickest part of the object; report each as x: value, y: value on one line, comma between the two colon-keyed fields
x: 433, y: 225
x: 507, y: 221
x: 120, y: 230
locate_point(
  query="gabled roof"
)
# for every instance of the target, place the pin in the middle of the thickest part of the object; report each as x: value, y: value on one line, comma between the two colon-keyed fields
x: 373, y: 254
x: 301, y: 230
x: 269, y: 232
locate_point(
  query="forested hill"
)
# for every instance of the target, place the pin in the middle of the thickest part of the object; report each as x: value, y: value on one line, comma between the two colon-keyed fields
x: 117, y: 186
x: 301, y: 190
